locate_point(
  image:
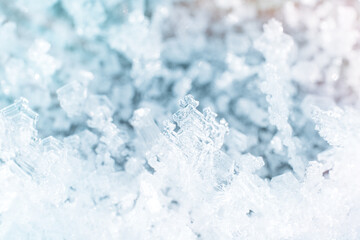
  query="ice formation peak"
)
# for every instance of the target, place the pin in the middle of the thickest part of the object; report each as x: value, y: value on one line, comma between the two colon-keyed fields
x: 274, y: 43
x: 196, y: 128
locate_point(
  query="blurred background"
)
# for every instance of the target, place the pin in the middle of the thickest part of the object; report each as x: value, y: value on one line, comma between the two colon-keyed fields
x: 144, y: 53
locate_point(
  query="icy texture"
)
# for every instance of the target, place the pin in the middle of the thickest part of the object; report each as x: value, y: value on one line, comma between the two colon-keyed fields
x: 277, y: 48
x: 109, y: 124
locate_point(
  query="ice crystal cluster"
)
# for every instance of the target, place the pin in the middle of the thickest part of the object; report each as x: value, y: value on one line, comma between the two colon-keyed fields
x: 179, y: 119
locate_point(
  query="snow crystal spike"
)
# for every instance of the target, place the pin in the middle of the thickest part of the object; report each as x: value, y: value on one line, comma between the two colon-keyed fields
x: 51, y: 144
x: 21, y: 113
x: 201, y: 128
x: 187, y: 111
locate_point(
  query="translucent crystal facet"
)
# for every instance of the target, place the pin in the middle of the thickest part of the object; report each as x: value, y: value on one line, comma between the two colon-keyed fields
x: 196, y: 129
x: 20, y: 113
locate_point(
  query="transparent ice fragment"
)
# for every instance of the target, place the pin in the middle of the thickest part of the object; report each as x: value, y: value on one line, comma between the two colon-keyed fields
x: 21, y: 122
x: 197, y: 131
x: 22, y: 168
x: 20, y: 113
x: 25, y: 162
x: 51, y: 144
x: 223, y: 167
x: 72, y: 97
x: 145, y: 126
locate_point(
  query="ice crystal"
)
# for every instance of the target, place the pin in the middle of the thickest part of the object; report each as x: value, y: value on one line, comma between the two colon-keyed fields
x: 276, y: 48
x: 101, y: 136
x: 196, y: 130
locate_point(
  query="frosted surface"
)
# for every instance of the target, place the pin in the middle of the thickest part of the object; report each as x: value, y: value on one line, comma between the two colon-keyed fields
x: 179, y: 119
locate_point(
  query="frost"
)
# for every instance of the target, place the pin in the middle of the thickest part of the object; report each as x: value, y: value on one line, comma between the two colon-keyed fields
x: 21, y: 122
x: 179, y: 119
x: 277, y: 47
x: 195, y: 128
